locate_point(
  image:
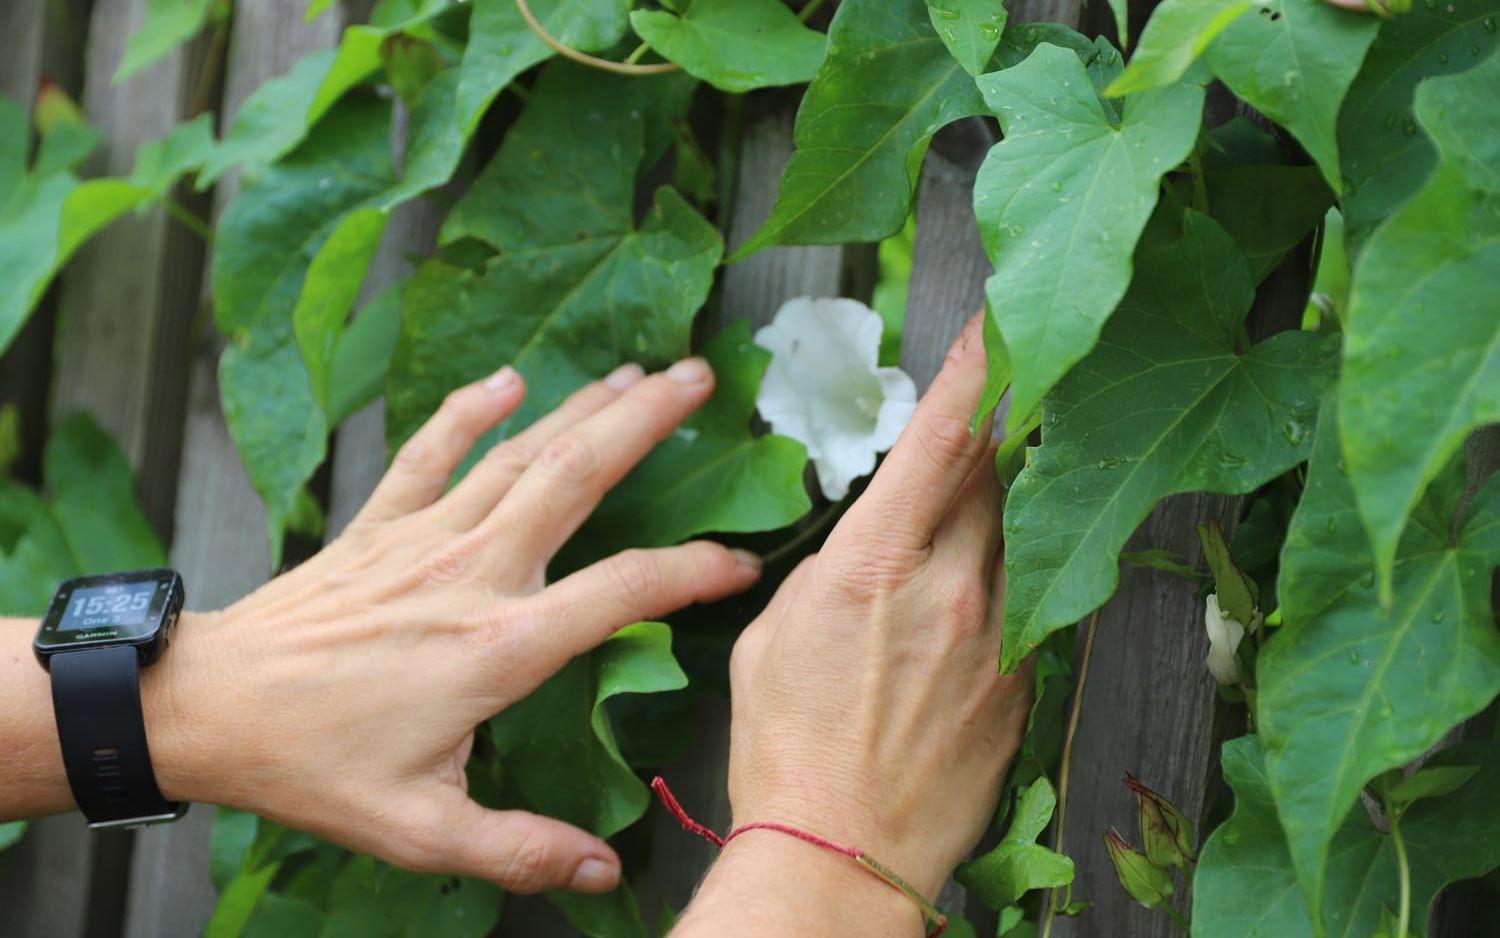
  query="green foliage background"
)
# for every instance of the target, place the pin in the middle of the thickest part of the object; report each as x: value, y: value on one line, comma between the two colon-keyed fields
x: 1128, y: 239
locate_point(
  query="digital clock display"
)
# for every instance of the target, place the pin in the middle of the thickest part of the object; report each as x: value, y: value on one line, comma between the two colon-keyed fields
x: 115, y: 606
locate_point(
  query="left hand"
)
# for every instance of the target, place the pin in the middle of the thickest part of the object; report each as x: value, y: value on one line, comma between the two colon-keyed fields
x: 341, y: 698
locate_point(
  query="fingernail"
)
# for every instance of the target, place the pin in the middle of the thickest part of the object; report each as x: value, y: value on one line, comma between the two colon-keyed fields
x: 690, y: 371
x: 501, y: 379
x: 747, y: 560
x: 595, y: 876
x: 624, y: 376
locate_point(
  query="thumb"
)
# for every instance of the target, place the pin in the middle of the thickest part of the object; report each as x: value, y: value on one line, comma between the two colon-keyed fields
x: 524, y: 852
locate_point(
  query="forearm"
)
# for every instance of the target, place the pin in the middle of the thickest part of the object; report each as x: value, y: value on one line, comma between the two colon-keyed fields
x: 33, y: 781
x: 767, y: 883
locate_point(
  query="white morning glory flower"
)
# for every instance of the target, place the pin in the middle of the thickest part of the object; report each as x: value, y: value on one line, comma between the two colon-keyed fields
x: 825, y: 389
x: 1224, y: 636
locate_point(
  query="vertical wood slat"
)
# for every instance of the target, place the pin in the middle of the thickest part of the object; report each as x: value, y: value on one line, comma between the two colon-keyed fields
x: 220, y: 546
x: 120, y: 304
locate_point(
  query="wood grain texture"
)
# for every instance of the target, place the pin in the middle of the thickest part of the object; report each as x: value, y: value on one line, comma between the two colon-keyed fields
x: 220, y: 546
x: 949, y: 266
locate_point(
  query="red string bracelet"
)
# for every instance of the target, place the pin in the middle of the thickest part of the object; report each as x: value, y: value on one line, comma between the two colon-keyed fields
x: 936, y: 921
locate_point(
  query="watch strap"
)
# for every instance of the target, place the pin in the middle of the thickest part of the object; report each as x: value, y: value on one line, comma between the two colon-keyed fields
x: 96, y: 695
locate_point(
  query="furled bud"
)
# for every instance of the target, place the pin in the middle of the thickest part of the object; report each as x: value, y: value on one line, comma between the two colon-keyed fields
x: 54, y: 108
x: 1224, y: 636
x: 1143, y: 881
x: 1166, y: 831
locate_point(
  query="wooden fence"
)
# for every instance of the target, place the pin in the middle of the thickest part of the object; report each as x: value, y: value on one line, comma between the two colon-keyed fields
x: 136, y: 351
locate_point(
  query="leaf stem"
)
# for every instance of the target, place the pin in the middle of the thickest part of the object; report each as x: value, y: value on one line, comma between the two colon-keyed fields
x: 635, y: 56
x: 1176, y: 918
x: 1403, y: 869
x: 583, y: 58
x: 805, y: 14
x: 801, y: 538
x: 1050, y: 912
x: 1200, y: 187
x: 187, y: 219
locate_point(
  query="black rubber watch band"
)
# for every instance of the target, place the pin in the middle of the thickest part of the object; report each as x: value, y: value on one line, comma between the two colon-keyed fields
x: 96, y: 697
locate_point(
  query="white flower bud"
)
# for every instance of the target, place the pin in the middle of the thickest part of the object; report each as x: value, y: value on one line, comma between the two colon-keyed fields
x: 1224, y: 636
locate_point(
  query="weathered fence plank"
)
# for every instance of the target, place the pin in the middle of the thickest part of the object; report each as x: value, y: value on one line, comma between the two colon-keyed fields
x: 220, y: 546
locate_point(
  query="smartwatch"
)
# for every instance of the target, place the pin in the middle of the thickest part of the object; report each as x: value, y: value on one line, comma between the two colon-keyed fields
x: 98, y: 633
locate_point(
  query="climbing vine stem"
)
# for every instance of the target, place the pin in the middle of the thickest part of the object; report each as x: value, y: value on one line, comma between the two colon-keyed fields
x: 583, y: 58
x: 1403, y: 871
x: 1050, y: 912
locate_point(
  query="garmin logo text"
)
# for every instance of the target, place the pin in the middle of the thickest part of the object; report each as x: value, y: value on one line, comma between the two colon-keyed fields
x: 96, y: 633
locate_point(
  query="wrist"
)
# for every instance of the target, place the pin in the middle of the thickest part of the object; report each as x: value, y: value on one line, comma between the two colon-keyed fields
x: 177, y: 701
x: 772, y: 883
x: 907, y: 851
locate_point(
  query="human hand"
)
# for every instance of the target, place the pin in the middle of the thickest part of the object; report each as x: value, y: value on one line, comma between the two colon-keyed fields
x: 341, y: 698
x: 867, y: 707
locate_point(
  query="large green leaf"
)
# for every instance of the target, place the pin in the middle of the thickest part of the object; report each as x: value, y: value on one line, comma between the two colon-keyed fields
x: 501, y: 46
x: 277, y: 116
x: 886, y: 86
x: 1349, y: 689
x: 167, y: 24
x: 560, y: 753
x: 369, y: 899
x: 1170, y: 401
x: 1245, y: 883
x: 1018, y: 864
x: 577, y: 288
x: 1178, y: 32
x: 1061, y: 201
x: 328, y: 294
x: 1293, y: 61
x: 267, y: 239
x: 713, y: 474
x: 1386, y: 156
x: 47, y: 214
x: 87, y: 523
x: 10, y: 832
x: 734, y: 45
x: 1422, y: 359
x: 970, y: 29
x: 561, y: 758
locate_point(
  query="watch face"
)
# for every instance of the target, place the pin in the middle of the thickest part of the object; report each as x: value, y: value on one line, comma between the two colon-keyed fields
x: 119, y: 608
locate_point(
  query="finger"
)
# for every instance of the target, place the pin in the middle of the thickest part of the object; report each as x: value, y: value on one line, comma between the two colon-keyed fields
x: 584, y: 608
x: 426, y: 462
x: 520, y: 851
x: 477, y: 493
x: 969, y: 535
x: 911, y: 492
x: 574, y: 470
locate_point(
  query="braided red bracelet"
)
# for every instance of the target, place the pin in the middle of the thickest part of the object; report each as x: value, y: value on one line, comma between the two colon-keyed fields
x: 935, y: 920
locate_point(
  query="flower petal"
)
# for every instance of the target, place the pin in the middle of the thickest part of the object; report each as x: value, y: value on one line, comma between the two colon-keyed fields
x: 823, y: 387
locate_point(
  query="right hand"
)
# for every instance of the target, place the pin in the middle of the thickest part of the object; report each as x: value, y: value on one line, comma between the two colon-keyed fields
x: 867, y: 706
